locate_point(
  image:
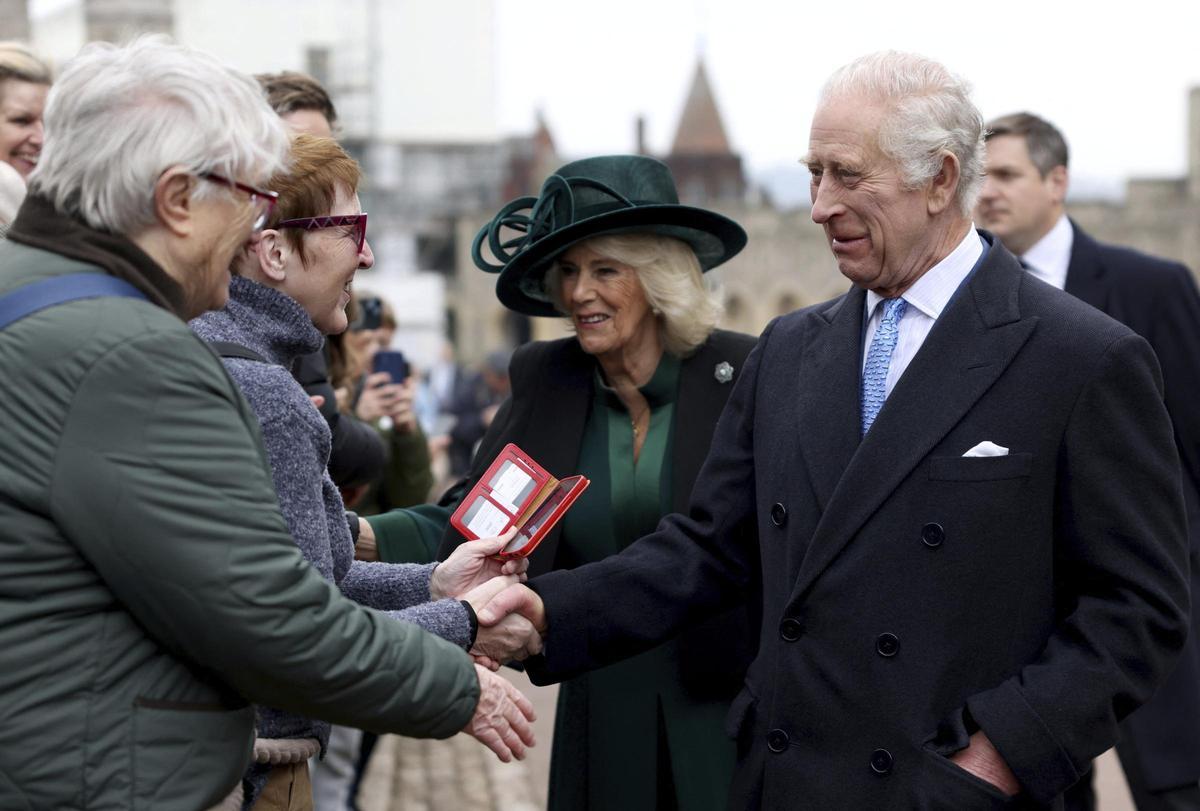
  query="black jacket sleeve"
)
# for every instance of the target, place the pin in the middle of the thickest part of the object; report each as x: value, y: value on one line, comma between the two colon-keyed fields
x: 358, y: 453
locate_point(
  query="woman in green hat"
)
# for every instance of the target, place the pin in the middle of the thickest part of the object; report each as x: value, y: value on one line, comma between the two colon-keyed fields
x: 631, y: 402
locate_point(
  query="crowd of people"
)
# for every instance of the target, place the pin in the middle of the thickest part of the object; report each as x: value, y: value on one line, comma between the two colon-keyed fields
x: 929, y: 545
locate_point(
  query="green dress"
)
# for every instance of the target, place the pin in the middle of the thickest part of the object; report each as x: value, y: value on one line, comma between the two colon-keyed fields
x: 626, y: 737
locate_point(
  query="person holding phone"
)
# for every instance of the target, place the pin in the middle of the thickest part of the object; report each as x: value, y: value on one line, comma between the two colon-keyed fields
x: 384, y: 398
x: 291, y: 286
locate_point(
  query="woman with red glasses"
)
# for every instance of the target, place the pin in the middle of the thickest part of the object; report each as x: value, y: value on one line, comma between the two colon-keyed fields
x: 290, y: 288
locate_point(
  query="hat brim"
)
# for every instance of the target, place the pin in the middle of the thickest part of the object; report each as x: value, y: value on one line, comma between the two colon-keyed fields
x: 713, y: 237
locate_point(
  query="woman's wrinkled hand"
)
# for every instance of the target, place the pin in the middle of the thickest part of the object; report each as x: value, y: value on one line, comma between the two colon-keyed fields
x: 472, y: 564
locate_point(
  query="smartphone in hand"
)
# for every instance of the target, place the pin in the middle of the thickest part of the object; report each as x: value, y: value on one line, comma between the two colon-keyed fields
x: 392, y: 362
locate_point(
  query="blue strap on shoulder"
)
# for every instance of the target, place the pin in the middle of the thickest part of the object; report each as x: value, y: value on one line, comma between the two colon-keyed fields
x: 60, y: 289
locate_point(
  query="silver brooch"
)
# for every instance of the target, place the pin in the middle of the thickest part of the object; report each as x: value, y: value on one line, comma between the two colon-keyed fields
x: 723, y: 372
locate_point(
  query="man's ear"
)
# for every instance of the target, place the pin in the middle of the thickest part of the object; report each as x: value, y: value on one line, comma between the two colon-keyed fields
x: 173, y: 203
x: 943, y: 188
x: 1058, y: 179
x: 271, y: 252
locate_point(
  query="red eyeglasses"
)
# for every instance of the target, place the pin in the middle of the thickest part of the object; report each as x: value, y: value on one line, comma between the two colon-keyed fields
x: 263, y: 200
x: 356, y: 221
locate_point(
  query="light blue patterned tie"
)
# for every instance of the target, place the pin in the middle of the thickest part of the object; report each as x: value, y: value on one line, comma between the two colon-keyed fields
x: 879, y: 358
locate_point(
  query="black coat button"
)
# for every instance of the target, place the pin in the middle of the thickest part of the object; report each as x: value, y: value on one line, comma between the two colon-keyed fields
x: 887, y: 645
x: 790, y: 629
x: 881, y: 761
x: 777, y: 740
x: 778, y: 514
x: 932, y: 535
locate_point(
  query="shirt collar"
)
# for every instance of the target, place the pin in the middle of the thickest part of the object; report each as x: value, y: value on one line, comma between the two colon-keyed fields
x: 1051, y: 256
x: 932, y: 292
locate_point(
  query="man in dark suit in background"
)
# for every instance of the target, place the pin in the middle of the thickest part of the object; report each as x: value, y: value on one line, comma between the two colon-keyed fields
x: 971, y: 551
x: 1022, y: 203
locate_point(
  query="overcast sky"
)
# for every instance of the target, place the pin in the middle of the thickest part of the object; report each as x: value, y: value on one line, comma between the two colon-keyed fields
x: 1113, y: 76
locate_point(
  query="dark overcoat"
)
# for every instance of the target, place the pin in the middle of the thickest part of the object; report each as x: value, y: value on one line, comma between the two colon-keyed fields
x: 1158, y: 300
x: 910, y: 594
x: 552, y: 393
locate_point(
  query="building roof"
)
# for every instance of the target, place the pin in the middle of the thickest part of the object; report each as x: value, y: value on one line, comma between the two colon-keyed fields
x: 700, y: 131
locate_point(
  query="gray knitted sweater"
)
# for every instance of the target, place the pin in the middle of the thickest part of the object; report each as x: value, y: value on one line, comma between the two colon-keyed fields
x: 297, y: 440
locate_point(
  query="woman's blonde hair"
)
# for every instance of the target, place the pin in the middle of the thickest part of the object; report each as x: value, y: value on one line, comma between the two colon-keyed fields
x: 20, y: 63
x: 670, y: 276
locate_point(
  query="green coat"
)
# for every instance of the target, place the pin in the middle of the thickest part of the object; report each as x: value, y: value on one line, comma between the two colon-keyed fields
x: 148, y: 585
x: 692, y: 678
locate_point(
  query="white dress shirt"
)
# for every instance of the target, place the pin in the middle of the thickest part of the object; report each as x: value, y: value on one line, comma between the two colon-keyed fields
x: 926, y: 299
x: 1051, y: 256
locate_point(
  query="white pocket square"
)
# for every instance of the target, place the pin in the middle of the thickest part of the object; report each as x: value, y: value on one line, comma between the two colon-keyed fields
x: 987, y: 449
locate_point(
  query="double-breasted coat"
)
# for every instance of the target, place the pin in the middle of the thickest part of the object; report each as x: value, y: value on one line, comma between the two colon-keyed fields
x: 909, y: 594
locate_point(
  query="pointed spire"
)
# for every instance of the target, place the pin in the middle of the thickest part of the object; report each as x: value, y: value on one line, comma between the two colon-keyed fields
x: 700, y: 131
x: 542, y: 136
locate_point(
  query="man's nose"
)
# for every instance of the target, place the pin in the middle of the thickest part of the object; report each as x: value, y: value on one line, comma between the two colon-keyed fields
x: 824, y: 202
x: 988, y: 190
x: 366, y: 257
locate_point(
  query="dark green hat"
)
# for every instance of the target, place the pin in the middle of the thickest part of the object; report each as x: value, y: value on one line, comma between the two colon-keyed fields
x: 606, y: 195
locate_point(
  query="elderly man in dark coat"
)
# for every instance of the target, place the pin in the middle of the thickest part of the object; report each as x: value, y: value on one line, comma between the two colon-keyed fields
x: 971, y: 553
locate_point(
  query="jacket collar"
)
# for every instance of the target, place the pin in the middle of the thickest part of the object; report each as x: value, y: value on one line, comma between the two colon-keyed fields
x: 1085, y: 274
x: 39, y: 225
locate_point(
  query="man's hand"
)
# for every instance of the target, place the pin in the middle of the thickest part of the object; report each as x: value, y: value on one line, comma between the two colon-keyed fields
x: 512, y: 638
x: 515, y: 599
x: 981, y: 759
x: 503, y: 717
x: 471, y: 565
x: 365, y: 547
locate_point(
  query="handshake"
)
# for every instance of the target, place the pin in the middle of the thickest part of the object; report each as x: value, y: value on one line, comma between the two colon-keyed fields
x: 511, y: 624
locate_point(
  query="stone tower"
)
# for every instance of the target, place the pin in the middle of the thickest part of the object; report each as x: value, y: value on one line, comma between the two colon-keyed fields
x: 1193, y: 146
x: 706, y: 169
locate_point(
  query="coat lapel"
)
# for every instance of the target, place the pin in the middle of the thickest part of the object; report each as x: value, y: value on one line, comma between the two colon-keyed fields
x: 972, y: 343
x: 561, y: 403
x: 1085, y: 273
x: 697, y: 409
x: 827, y: 395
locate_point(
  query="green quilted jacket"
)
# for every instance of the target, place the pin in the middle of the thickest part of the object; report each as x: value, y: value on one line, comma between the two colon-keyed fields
x: 148, y: 585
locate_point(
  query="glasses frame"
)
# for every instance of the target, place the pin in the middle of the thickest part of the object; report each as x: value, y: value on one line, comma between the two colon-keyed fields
x: 359, y: 221
x: 258, y: 197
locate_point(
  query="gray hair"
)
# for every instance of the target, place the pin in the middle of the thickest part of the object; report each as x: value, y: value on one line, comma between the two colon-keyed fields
x: 929, y: 113
x: 1046, y: 145
x: 118, y: 117
x: 670, y: 276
